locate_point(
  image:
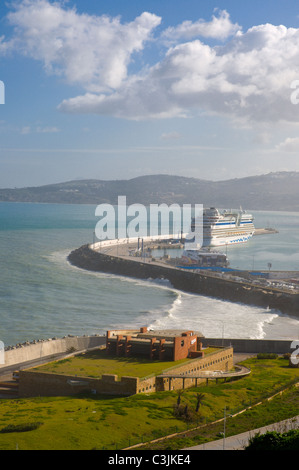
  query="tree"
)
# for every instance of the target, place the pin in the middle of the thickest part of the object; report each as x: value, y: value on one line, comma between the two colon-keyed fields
x: 180, y: 393
x: 199, y: 398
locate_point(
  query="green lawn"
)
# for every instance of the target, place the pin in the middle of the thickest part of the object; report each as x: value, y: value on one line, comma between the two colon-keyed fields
x: 97, y: 363
x: 88, y: 422
x: 278, y: 409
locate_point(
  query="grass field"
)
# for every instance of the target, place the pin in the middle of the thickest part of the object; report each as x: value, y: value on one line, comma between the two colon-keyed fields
x: 96, y: 363
x: 98, y: 422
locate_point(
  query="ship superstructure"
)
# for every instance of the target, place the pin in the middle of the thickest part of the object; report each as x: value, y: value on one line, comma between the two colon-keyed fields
x: 227, y: 227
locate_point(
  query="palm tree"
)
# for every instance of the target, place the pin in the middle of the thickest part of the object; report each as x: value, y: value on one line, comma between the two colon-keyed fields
x: 199, y: 398
x: 180, y: 393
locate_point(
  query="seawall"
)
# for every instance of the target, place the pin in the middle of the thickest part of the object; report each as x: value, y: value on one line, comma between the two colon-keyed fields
x: 185, y: 280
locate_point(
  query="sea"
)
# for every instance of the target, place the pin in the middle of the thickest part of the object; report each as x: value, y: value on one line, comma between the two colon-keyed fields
x: 42, y: 296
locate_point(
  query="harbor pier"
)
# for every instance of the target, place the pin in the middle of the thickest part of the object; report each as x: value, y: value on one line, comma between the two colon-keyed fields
x: 113, y: 257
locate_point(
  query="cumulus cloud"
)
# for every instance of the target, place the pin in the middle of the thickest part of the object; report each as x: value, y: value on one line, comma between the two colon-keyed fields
x: 290, y: 144
x: 246, y: 77
x: 93, y: 51
x: 219, y: 27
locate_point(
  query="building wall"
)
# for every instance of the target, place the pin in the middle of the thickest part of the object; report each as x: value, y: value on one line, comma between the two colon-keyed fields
x: 221, y: 360
x: 183, y: 345
x: 33, y: 383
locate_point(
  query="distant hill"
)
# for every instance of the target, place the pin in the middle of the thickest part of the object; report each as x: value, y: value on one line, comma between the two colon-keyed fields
x: 273, y: 191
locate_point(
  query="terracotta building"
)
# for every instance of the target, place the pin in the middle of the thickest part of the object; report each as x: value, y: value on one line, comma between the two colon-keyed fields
x: 163, y: 345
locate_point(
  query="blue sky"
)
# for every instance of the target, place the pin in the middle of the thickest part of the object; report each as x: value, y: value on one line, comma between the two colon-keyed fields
x: 115, y: 90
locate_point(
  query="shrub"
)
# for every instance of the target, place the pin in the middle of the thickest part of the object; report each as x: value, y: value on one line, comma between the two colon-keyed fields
x: 267, y: 356
x: 275, y: 441
x: 71, y: 350
x: 21, y: 427
x: 184, y: 412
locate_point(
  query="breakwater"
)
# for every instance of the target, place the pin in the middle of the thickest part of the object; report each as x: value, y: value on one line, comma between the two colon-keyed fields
x: 189, y: 281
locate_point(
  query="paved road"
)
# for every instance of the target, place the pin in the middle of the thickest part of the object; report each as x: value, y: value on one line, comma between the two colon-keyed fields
x: 239, y: 441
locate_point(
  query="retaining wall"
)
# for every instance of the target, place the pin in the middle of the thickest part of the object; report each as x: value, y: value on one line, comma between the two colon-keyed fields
x: 34, y: 383
x: 254, y: 346
x: 49, y: 348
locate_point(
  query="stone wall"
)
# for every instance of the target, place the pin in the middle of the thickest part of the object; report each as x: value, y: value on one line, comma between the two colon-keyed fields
x: 221, y: 360
x: 34, y: 383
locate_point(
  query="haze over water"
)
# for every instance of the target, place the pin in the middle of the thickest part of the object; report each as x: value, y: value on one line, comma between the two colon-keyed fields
x: 43, y: 296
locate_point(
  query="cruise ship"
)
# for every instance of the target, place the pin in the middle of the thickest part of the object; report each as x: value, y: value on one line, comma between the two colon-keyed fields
x: 227, y: 227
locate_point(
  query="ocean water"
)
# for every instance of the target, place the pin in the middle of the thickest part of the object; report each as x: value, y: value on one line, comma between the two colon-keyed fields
x: 42, y: 296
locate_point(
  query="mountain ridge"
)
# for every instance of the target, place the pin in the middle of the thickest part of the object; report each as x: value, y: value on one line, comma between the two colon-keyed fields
x: 272, y: 191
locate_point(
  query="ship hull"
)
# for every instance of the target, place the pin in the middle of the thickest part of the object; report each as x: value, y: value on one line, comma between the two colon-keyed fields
x: 223, y: 228
x: 230, y: 240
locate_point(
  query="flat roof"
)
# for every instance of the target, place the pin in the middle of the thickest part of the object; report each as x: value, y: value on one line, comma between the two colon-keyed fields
x: 167, y: 333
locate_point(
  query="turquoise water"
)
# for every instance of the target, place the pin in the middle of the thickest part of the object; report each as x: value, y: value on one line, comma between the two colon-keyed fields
x: 42, y: 296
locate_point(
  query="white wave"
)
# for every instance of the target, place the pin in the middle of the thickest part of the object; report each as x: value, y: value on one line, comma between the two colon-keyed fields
x: 180, y: 310
x: 215, y: 318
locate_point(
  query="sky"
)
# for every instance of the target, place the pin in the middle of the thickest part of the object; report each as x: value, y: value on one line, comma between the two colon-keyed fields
x: 91, y: 89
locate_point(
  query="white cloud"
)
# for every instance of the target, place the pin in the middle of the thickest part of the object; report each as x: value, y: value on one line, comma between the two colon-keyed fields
x: 25, y: 130
x: 262, y: 138
x: 247, y: 78
x: 171, y: 136
x: 290, y: 144
x: 219, y: 27
x: 93, y: 51
x: 47, y: 130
